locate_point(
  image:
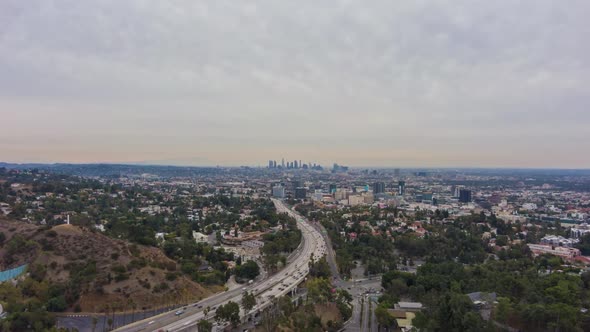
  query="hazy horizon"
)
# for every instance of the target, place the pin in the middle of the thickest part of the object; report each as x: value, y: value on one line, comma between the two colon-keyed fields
x: 327, y: 166
x: 380, y: 84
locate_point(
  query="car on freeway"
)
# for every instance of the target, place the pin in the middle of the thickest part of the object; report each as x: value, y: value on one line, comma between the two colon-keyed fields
x: 179, y: 312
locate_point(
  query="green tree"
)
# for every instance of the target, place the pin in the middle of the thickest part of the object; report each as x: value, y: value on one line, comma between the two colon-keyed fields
x: 502, y: 240
x: 248, y: 301
x: 247, y: 271
x: 319, y: 290
x: 452, y: 313
x: 229, y: 312
x: 320, y: 269
x: 286, y: 306
x: 503, y: 309
x: 204, y: 326
x: 384, y: 318
x: 57, y: 304
x: 584, y: 245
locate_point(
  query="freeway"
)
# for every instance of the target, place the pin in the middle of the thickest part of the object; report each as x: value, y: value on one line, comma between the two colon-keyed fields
x: 279, y: 284
x: 330, y: 254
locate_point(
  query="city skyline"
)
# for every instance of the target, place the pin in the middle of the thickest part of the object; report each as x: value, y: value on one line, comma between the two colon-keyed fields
x: 418, y: 84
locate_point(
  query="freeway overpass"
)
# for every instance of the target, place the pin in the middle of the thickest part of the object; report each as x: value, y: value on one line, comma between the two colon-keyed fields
x: 279, y: 284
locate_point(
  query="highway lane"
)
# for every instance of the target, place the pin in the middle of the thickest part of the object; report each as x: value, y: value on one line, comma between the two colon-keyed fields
x: 313, y: 244
x: 330, y: 254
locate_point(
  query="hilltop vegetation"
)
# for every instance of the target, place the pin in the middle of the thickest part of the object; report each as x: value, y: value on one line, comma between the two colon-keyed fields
x: 76, y: 269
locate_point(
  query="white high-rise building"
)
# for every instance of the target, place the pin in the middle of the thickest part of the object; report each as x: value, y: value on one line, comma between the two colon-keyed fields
x: 278, y: 192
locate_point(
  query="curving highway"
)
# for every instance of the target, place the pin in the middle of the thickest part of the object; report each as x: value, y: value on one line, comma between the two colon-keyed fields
x: 279, y: 284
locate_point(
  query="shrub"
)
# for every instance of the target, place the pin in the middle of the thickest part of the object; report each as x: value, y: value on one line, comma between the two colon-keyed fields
x: 57, y: 304
x: 121, y: 276
x: 118, y: 269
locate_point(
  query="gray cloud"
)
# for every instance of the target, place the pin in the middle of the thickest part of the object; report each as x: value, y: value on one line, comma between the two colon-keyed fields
x: 366, y: 82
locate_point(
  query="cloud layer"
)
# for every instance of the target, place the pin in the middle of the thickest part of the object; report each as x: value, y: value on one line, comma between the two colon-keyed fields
x: 382, y: 83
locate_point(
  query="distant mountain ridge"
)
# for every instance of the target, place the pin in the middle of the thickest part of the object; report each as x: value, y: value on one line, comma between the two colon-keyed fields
x: 105, y: 169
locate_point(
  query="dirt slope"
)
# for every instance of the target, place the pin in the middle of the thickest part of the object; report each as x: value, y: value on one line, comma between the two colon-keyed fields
x: 102, y: 270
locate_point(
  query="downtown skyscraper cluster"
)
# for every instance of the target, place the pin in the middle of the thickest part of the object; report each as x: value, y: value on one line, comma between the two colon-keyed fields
x: 295, y: 164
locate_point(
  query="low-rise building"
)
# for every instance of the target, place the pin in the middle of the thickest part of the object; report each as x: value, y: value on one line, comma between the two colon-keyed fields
x: 566, y: 253
x: 559, y: 241
x: 354, y: 200
x: 200, y: 237
x: 580, y: 230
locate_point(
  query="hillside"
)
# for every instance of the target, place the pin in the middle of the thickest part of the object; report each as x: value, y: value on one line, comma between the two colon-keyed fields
x: 93, y: 270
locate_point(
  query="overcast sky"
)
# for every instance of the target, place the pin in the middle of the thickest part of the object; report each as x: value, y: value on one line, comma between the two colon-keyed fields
x: 363, y: 83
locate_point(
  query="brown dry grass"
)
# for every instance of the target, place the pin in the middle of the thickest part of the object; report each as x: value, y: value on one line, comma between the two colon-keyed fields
x: 327, y: 312
x: 74, y: 245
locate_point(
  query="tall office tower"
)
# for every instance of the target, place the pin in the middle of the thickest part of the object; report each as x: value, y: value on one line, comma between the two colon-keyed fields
x: 270, y: 164
x: 300, y: 164
x: 274, y: 164
x: 457, y: 191
x: 332, y: 188
x: 401, y: 187
x: 464, y: 196
x: 278, y: 191
x: 296, y: 164
x: 283, y: 163
x: 300, y: 192
x: 378, y: 187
